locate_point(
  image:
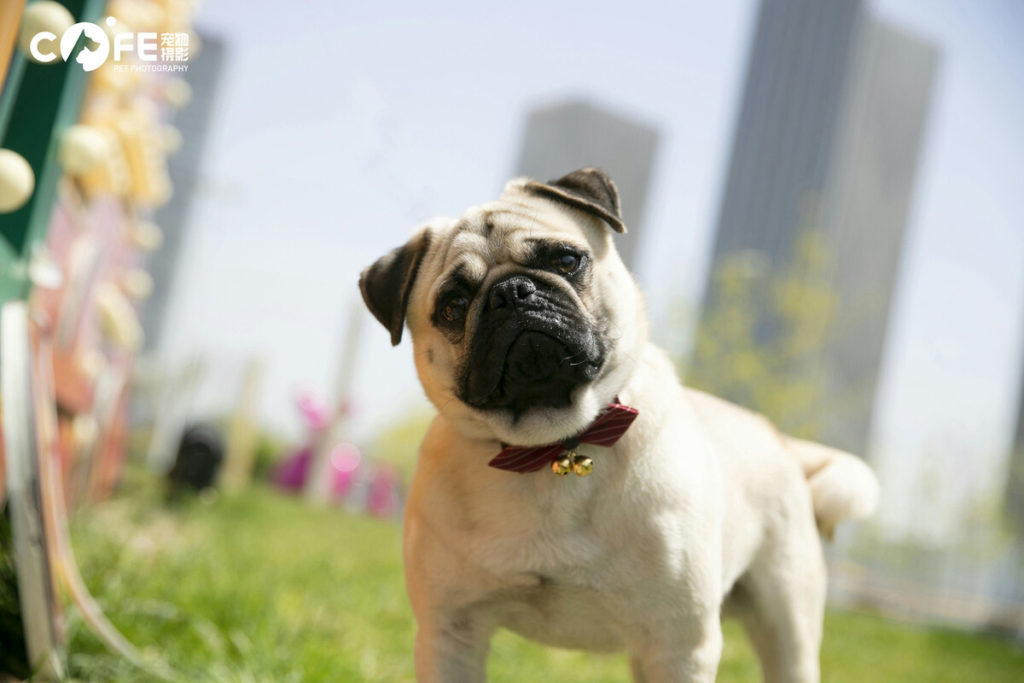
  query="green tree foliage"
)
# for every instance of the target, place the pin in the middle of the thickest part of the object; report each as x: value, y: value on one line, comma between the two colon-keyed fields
x: 399, y: 443
x: 762, y: 339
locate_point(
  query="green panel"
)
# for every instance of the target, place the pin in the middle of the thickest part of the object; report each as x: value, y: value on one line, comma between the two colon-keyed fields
x: 47, y: 100
x: 31, y: 132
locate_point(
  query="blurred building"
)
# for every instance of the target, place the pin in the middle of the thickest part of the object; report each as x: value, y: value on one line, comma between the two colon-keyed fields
x: 827, y: 140
x: 185, y: 169
x: 563, y: 137
x: 1015, y: 472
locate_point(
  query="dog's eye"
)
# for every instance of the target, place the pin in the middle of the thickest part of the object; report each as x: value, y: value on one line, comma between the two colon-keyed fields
x: 565, y: 263
x: 454, y: 308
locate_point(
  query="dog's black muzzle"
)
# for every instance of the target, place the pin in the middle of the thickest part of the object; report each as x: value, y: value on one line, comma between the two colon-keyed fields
x: 531, y: 348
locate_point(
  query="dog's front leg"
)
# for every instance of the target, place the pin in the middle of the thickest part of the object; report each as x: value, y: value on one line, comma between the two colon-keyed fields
x: 451, y: 648
x: 669, y: 655
x: 447, y: 593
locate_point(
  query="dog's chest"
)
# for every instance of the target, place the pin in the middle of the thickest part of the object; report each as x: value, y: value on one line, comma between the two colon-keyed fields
x: 569, y: 561
x: 565, y: 560
x: 552, y: 527
x: 561, y: 579
x: 562, y: 613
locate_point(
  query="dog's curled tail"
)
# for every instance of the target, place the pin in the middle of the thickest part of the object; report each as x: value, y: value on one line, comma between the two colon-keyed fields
x: 842, y: 485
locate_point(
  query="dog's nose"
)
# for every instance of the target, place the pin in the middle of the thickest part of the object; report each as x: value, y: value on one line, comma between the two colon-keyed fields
x: 511, y: 292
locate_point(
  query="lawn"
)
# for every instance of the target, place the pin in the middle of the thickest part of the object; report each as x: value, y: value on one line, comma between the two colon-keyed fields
x: 261, y: 587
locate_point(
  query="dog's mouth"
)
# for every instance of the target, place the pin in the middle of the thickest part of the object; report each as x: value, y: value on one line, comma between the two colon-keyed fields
x: 523, y: 368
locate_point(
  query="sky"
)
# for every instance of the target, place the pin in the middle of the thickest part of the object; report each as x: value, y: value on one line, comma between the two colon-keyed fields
x: 339, y: 127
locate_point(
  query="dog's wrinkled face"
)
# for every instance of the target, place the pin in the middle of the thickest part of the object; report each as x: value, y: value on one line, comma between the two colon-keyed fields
x: 530, y: 341
x: 524, y: 319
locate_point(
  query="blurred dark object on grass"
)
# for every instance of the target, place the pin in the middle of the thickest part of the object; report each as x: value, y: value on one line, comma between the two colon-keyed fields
x: 199, y: 459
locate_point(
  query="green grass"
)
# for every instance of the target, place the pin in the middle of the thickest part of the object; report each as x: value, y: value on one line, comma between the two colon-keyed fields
x: 261, y: 587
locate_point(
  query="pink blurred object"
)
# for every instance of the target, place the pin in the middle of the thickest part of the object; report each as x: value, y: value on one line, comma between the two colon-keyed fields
x: 314, y: 410
x: 291, y: 474
x: 345, y: 459
x: 373, y: 489
x: 344, y: 463
x: 383, y: 498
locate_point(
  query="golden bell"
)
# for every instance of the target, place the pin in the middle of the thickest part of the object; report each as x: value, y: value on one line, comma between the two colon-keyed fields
x: 562, y: 466
x: 582, y: 466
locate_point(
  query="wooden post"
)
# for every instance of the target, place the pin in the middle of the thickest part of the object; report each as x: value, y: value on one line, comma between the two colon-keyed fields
x: 241, y: 447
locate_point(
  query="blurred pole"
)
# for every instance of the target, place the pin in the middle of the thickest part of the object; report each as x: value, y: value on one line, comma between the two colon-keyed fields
x: 318, y: 483
x: 110, y: 387
x: 174, y: 407
x: 237, y: 472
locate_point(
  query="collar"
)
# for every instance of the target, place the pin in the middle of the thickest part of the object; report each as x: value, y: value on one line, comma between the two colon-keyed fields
x: 607, y: 428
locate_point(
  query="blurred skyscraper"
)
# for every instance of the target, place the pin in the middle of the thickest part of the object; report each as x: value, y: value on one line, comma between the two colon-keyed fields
x: 827, y: 140
x: 563, y: 137
x: 1015, y: 474
x: 185, y: 168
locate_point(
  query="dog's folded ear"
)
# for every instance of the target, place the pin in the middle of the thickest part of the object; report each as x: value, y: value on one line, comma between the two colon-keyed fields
x: 588, y: 189
x: 387, y: 284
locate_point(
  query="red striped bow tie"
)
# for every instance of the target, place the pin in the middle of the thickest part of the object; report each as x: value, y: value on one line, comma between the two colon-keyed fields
x: 605, y: 430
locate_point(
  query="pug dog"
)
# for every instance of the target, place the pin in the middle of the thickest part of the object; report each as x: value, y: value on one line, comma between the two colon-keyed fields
x: 674, y: 507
